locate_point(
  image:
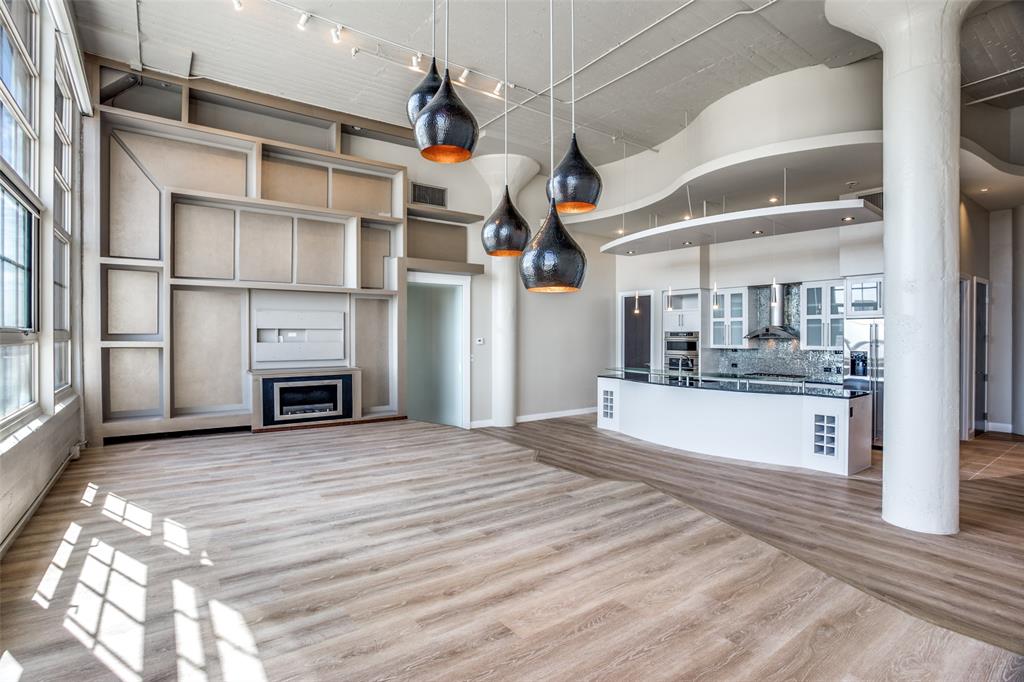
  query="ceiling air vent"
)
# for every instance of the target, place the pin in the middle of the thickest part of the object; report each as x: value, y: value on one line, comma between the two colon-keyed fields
x: 425, y: 194
x: 875, y: 199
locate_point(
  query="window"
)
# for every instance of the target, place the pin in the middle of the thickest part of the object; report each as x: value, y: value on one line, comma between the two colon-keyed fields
x: 19, y: 213
x: 17, y: 225
x: 62, y: 145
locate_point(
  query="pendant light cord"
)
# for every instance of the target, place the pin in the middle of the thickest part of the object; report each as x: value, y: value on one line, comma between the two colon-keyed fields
x: 505, y: 117
x: 446, y: 35
x: 551, y: 89
x: 433, y: 28
x: 572, y: 61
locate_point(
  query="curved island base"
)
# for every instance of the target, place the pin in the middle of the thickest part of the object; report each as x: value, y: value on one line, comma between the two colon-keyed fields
x: 824, y: 429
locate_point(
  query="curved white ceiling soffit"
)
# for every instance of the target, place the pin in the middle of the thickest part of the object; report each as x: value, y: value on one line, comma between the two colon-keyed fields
x: 823, y: 124
x: 810, y: 108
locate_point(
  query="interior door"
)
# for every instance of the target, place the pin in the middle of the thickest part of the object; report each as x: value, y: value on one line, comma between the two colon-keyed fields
x: 434, y: 371
x: 636, y: 332
x: 980, y: 356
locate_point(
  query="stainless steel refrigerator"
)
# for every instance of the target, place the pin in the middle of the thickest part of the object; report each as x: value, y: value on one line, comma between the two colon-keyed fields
x: 864, y: 356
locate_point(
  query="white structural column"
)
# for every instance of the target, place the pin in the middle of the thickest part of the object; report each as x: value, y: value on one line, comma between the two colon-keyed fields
x: 920, y: 41
x: 1017, y: 317
x: 504, y: 287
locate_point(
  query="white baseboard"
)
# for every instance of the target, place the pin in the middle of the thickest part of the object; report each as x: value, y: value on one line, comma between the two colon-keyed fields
x: 481, y: 424
x: 999, y: 427
x: 555, y: 415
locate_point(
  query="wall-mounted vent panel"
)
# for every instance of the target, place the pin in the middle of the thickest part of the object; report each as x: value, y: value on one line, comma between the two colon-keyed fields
x: 425, y: 194
x: 876, y: 199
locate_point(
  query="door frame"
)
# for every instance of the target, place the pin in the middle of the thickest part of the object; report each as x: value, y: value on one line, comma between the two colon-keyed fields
x: 656, y: 359
x: 965, y: 294
x: 974, y: 350
x: 464, y: 282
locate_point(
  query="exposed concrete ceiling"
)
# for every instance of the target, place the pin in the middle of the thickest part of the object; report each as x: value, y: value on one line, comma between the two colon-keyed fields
x: 261, y: 49
x: 992, y: 42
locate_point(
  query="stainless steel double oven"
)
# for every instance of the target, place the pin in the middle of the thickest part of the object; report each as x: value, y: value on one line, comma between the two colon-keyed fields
x: 682, y: 353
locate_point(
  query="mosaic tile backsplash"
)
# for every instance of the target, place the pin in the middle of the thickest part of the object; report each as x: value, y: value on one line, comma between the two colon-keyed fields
x: 784, y: 357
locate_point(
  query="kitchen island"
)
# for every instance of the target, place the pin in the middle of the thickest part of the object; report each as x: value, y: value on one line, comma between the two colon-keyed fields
x: 820, y: 427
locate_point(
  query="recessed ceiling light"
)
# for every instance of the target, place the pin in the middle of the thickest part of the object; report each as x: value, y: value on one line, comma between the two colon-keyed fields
x: 630, y: 253
x: 757, y: 233
x: 687, y: 243
x: 984, y: 189
x: 303, y: 20
x: 773, y: 200
x: 620, y: 231
x: 237, y: 4
x: 848, y: 219
x: 686, y: 217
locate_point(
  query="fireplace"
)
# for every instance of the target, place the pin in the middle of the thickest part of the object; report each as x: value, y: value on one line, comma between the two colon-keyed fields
x: 287, y: 398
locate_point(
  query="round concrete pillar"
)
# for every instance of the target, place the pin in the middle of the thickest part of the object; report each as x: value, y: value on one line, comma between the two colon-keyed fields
x: 920, y: 41
x: 504, y: 287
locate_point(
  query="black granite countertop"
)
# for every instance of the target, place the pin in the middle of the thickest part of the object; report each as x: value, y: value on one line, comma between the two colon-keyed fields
x: 734, y: 384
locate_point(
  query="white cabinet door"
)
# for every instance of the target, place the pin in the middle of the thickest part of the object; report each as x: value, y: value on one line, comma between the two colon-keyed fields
x: 682, y: 312
x: 865, y: 296
x: 822, y: 307
x: 730, y: 318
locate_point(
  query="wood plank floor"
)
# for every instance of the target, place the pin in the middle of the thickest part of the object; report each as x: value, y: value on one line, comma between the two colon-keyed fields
x: 417, y: 552
x: 972, y: 582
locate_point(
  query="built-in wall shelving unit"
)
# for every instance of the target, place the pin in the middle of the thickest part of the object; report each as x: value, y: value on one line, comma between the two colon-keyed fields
x: 207, y: 197
x: 441, y: 213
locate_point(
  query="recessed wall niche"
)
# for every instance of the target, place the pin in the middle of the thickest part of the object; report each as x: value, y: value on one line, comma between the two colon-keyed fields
x: 133, y: 382
x: 133, y: 213
x: 319, y: 252
x: 204, y: 241
x: 209, y: 352
x: 132, y: 303
x: 265, y: 247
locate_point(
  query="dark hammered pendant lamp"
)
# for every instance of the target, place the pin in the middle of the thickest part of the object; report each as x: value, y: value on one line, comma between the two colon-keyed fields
x: 446, y: 131
x: 506, y: 232
x: 575, y: 184
x: 553, y: 262
x: 422, y: 94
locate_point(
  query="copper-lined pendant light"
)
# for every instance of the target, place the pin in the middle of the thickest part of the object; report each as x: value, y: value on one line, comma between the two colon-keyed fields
x: 506, y: 232
x: 575, y: 184
x: 425, y: 91
x: 553, y: 262
x: 446, y: 131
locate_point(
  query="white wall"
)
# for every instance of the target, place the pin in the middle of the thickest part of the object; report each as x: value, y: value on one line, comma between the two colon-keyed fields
x: 974, y: 238
x: 1001, y: 322
x: 560, y: 373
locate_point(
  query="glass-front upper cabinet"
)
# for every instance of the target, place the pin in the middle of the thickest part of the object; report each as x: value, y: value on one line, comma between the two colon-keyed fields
x: 822, y: 313
x: 865, y: 296
x: 730, y: 318
x: 681, y: 311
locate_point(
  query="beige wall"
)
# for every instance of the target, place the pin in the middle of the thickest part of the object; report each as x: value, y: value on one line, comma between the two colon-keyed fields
x: 1001, y: 318
x: 576, y: 344
x: 974, y: 238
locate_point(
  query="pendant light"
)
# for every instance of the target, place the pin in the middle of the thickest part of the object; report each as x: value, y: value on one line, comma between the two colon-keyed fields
x: 506, y: 232
x: 446, y: 131
x: 422, y: 94
x: 553, y: 262
x: 575, y: 184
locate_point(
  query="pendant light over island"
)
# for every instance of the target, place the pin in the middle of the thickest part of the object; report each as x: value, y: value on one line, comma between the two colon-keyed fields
x: 506, y: 232
x: 553, y: 262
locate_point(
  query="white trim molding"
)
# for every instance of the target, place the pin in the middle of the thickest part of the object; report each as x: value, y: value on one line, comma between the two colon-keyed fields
x: 999, y: 427
x: 482, y: 424
x: 555, y: 415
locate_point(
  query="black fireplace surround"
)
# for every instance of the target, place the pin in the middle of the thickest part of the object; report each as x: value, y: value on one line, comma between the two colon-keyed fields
x: 305, y: 400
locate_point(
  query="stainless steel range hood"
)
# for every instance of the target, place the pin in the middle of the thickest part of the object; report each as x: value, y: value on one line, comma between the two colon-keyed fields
x: 777, y: 329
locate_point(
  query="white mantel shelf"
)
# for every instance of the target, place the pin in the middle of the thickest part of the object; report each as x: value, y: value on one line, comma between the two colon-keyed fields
x: 739, y: 225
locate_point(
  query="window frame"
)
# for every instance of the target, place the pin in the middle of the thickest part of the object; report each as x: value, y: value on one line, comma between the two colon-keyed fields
x: 23, y: 189
x: 64, y: 130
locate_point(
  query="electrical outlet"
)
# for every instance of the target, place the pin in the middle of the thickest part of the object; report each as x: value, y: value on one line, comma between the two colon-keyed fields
x: 828, y: 370
x: 734, y: 365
